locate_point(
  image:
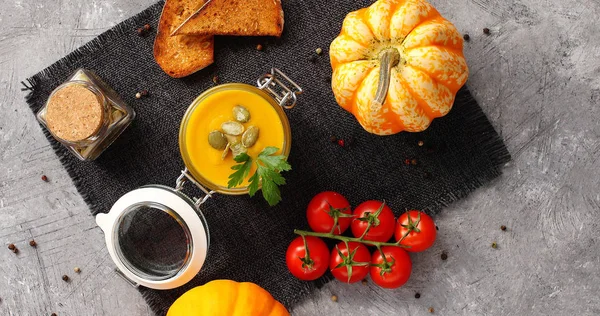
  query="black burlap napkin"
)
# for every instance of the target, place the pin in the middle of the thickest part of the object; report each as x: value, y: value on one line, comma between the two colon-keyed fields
x: 248, y: 239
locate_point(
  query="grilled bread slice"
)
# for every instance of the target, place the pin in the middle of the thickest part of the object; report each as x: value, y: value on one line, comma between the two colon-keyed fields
x: 181, y: 55
x: 237, y: 17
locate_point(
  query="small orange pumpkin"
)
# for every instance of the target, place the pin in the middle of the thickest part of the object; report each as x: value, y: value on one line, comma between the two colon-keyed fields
x: 227, y: 298
x: 397, y: 65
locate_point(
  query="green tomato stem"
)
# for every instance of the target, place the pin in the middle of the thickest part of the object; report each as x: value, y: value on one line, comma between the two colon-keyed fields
x: 347, y: 239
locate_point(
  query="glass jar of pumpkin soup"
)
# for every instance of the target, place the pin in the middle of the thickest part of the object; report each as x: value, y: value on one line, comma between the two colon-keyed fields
x: 222, y: 122
x: 227, y: 120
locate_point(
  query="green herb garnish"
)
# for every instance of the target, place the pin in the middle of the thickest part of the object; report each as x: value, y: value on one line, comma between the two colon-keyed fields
x: 268, y: 168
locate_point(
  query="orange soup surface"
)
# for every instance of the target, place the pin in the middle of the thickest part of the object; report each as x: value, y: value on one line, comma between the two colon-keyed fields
x: 217, y: 109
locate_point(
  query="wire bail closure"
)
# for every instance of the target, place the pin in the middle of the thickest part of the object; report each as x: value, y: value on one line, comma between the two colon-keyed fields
x: 185, y: 177
x: 285, y: 95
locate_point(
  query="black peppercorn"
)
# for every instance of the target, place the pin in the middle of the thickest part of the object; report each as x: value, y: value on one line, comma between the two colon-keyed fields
x: 417, y: 295
x: 65, y: 278
x: 503, y: 228
x: 333, y: 139
x: 32, y: 243
x: 444, y: 256
x: 11, y: 246
x: 486, y: 31
x: 313, y: 59
x: 466, y: 37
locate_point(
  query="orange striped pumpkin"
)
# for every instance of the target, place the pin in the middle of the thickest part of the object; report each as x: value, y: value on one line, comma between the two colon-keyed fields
x: 397, y: 65
x: 227, y: 298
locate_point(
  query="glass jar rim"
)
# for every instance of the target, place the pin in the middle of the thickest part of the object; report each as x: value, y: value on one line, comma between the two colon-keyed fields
x: 287, y: 142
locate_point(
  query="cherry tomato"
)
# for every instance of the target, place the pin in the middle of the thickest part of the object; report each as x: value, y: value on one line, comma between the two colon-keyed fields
x: 351, y: 266
x: 309, y: 267
x: 381, y: 218
x: 418, y: 230
x: 328, y: 209
x: 394, y: 271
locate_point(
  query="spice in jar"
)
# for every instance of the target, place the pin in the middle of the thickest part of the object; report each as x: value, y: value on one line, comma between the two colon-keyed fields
x: 85, y: 115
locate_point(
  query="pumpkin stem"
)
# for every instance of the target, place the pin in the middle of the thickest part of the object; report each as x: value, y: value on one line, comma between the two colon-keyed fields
x: 389, y: 58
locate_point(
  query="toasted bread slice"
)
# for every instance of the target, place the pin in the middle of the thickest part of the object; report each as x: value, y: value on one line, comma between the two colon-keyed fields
x: 181, y: 55
x: 237, y: 17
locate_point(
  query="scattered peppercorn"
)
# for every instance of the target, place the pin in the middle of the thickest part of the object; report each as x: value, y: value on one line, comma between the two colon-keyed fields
x: 444, y: 256
x: 147, y: 27
x: 420, y: 143
x: 341, y: 142
x: 494, y: 245
x: 11, y: 246
x: 334, y: 298
x: 216, y: 79
x: 259, y: 47
x: 503, y: 228
x: 16, y: 250
x: 77, y: 270
x: 312, y: 59
x: 431, y: 310
x: 486, y: 31
x: 319, y: 51
x: 364, y: 282
x: 44, y: 178
x: 417, y: 295
x: 333, y: 139
x: 138, y: 95
x: 437, y: 228
x: 145, y: 93
x: 467, y: 37
x: 32, y: 243
x: 140, y: 31
x: 413, y: 162
x: 53, y: 314
x: 65, y: 278
x: 407, y: 161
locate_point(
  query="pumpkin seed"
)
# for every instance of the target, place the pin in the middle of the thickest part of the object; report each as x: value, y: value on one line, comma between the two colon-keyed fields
x: 232, y: 128
x: 237, y: 149
x: 250, y: 136
x: 241, y: 114
x: 225, y: 152
x: 217, y: 140
x: 233, y: 139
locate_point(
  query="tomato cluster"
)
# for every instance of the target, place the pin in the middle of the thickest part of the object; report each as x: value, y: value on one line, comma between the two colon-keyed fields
x: 372, y: 223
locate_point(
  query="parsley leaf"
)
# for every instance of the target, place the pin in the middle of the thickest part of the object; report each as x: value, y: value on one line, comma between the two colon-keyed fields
x: 267, y: 174
x: 242, y: 169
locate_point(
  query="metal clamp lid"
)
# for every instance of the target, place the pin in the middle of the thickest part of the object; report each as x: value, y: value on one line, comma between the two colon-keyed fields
x: 278, y: 85
x: 185, y: 177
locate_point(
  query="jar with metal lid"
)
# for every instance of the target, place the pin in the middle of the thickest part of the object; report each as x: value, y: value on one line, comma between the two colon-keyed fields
x: 85, y: 115
x: 156, y: 235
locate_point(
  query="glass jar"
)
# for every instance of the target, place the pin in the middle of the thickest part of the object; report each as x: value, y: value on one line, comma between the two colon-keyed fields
x: 156, y: 235
x: 85, y: 115
x: 183, y: 133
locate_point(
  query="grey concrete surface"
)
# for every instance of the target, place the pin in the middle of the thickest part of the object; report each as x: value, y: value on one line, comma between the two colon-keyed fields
x: 537, y: 76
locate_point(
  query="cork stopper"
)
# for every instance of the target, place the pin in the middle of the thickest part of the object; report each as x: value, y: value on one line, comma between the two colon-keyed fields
x: 74, y: 113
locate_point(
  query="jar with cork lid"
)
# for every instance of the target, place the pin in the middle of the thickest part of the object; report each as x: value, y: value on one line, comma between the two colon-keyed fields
x: 85, y: 115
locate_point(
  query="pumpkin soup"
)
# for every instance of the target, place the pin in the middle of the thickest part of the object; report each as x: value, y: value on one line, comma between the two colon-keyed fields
x: 235, y: 114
